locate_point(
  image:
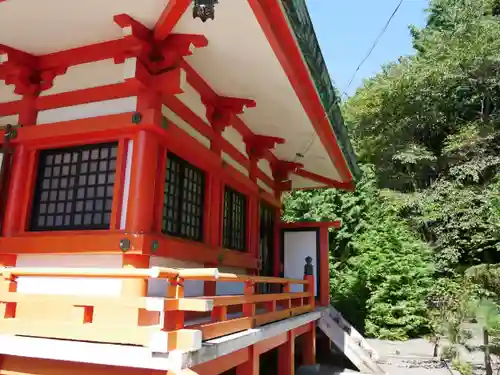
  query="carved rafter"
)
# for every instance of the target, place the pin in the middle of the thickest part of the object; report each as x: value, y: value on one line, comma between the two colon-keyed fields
x: 258, y: 145
x: 221, y: 110
x: 157, y: 55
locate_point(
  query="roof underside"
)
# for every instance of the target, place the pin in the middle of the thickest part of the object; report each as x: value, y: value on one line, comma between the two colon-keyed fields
x: 239, y: 61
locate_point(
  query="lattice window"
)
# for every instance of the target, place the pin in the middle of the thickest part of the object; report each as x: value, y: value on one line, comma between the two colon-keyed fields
x: 235, y: 208
x: 183, y: 199
x: 74, y: 188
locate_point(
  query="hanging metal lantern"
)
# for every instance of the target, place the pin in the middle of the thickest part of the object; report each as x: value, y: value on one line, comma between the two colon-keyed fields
x: 204, y: 9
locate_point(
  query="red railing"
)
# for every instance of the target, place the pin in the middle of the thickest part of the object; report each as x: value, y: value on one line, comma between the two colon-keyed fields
x: 157, y: 323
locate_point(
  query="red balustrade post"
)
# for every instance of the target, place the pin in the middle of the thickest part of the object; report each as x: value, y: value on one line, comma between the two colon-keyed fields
x: 309, y: 277
x: 249, y: 309
x: 174, y: 320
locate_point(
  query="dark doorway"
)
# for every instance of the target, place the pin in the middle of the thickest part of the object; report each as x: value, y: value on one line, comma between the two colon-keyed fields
x: 267, y: 221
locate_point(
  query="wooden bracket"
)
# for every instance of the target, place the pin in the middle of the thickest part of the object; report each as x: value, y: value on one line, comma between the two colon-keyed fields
x: 158, y: 56
x: 221, y: 110
x: 21, y: 70
x: 282, y: 169
x: 258, y: 145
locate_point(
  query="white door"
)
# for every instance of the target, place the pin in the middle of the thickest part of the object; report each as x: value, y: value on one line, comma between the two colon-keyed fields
x: 297, y: 246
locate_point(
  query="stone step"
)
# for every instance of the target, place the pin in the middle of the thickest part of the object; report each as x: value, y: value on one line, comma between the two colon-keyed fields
x: 349, y: 342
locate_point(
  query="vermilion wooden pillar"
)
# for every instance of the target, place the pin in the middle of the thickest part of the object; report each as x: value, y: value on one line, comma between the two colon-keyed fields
x: 13, y: 219
x: 250, y: 367
x: 254, y: 213
x: 286, y: 356
x: 141, y: 202
x: 28, y: 112
x: 309, y: 346
x: 278, y: 267
x: 141, y: 205
x: 324, y: 267
x: 214, y: 196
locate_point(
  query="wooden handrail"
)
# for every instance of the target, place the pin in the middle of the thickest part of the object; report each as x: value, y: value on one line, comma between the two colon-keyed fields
x: 230, y: 277
x: 112, y: 273
x: 203, y: 274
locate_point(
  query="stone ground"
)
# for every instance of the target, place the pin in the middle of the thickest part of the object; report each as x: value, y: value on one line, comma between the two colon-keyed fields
x: 417, y: 355
x: 414, y: 357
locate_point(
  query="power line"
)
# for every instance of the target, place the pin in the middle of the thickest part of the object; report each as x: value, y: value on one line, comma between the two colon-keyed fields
x: 375, y: 43
x: 310, y: 142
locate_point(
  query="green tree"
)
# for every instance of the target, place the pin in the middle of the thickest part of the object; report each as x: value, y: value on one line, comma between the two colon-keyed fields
x: 380, y: 271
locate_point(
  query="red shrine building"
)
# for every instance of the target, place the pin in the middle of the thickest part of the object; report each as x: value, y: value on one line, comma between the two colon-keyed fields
x: 146, y: 146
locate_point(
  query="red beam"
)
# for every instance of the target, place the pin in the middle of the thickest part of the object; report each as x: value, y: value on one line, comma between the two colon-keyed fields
x: 10, y: 108
x: 82, y: 129
x: 312, y: 224
x: 302, y: 329
x: 349, y: 186
x: 84, y: 96
x: 221, y: 364
x: 83, y: 55
x: 169, y: 18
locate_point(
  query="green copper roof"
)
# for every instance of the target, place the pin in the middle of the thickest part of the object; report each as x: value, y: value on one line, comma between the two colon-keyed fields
x: 301, y: 23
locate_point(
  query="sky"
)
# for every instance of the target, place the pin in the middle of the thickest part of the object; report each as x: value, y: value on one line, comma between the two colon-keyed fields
x: 346, y: 30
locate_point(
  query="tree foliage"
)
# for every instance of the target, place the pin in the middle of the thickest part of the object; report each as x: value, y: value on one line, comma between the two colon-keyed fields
x: 427, y: 131
x: 380, y: 271
x: 431, y: 126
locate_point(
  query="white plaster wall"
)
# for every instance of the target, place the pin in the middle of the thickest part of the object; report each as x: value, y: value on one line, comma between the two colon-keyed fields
x: 298, y: 246
x: 192, y: 99
x: 6, y: 120
x: 228, y: 288
x: 231, y: 135
x: 172, y: 116
x: 265, y: 167
x: 158, y: 288
x: 229, y: 160
x: 299, y: 182
x: 106, y: 107
x: 84, y: 76
x: 126, y: 184
x: 78, y: 286
x: 7, y: 93
x: 264, y: 186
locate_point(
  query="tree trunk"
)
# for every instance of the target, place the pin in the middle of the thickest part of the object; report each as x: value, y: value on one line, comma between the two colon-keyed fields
x: 487, y: 358
x: 436, y: 347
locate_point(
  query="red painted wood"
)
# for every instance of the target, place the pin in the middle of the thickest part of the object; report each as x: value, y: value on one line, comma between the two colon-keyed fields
x: 10, y: 108
x: 121, y: 163
x: 312, y: 224
x: 169, y: 18
x: 349, y: 186
x: 141, y: 202
x: 90, y: 95
x: 309, y: 346
x: 278, y: 265
x: 13, y: 211
x: 324, y: 270
x: 270, y: 15
x: 286, y: 356
x: 28, y: 112
x: 222, y: 364
x: 251, y: 366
